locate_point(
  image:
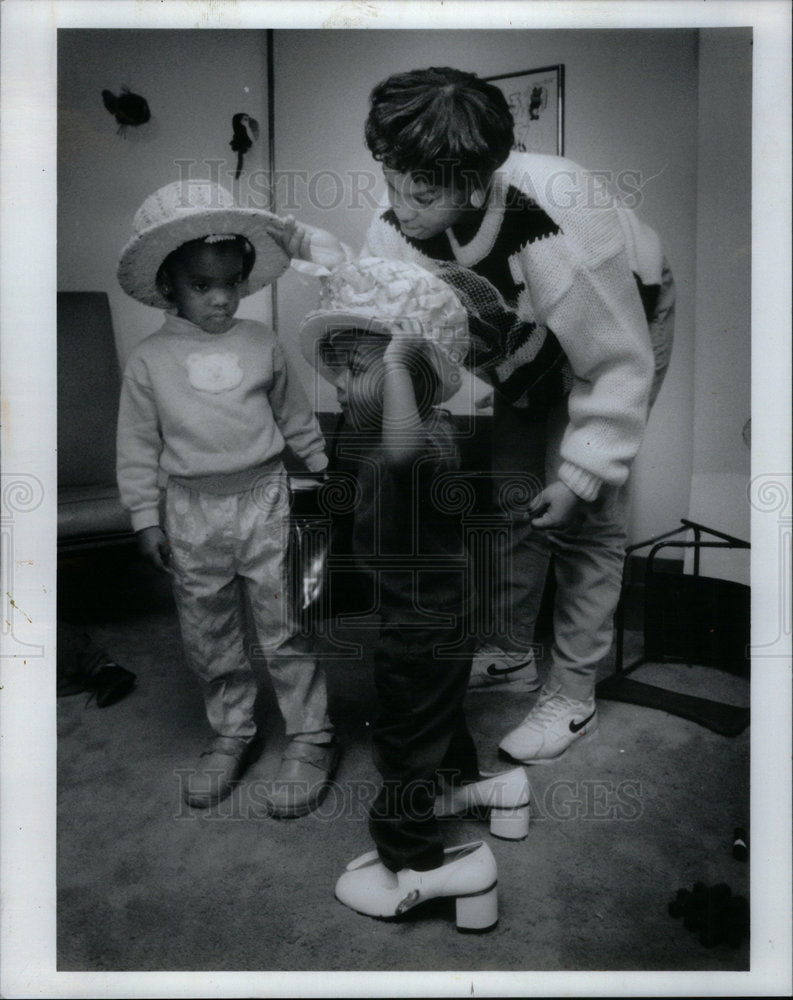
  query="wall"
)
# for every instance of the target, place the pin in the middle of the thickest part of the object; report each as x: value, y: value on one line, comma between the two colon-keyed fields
x: 640, y: 100
x: 194, y: 81
x: 722, y: 405
x: 630, y: 104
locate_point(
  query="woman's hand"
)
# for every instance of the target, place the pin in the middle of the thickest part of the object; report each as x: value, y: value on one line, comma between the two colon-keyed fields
x: 154, y: 544
x: 556, y: 507
x: 307, y: 243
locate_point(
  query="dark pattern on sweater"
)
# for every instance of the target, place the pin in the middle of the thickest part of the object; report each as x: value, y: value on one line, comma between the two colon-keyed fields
x: 524, y: 222
x: 496, y: 337
x: 539, y: 381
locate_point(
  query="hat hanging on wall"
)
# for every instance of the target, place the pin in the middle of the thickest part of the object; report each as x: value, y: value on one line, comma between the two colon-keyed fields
x: 246, y: 132
x: 128, y: 109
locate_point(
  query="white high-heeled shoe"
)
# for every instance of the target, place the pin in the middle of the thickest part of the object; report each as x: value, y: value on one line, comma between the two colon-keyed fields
x: 504, y: 796
x: 468, y: 874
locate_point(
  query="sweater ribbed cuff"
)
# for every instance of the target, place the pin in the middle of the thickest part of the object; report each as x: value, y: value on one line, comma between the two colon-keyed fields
x: 149, y: 518
x: 317, y: 462
x: 584, y: 484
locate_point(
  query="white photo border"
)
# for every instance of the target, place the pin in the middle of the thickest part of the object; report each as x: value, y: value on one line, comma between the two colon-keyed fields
x: 27, y: 322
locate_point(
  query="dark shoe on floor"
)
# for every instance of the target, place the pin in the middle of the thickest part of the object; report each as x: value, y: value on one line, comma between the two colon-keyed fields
x: 110, y: 683
x: 219, y: 766
x: 303, y: 778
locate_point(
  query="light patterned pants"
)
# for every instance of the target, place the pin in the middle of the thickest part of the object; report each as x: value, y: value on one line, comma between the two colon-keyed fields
x: 223, y: 547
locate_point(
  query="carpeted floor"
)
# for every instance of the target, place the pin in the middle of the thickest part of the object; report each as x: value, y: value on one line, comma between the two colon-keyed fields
x: 644, y: 807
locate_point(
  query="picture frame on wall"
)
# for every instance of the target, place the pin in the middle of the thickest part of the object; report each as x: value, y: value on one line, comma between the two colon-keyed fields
x: 536, y: 100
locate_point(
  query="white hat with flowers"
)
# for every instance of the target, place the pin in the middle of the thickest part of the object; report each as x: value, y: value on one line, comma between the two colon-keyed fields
x: 370, y: 295
x: 192, y: 210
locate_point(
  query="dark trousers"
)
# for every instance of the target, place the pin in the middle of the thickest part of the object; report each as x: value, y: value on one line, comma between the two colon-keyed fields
x: 419, y: 735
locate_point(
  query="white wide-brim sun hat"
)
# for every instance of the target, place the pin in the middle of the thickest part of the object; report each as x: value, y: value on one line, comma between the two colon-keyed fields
x: 192, y: 210
x: 372, y: 293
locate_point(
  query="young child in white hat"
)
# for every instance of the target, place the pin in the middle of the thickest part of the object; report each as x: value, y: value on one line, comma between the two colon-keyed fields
x: 208, y: 404
x: 391, y: 336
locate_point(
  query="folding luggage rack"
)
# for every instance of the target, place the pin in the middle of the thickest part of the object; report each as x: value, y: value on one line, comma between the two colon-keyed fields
x: 688, y: 618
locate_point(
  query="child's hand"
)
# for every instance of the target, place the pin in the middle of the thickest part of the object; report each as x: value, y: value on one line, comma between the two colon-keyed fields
x: 556, y: 507
x: 307, y: 243
x: 153, y: 543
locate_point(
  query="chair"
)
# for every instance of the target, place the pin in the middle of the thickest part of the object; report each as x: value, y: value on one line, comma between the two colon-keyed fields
x: 89, y: 508
x: 688, y: 618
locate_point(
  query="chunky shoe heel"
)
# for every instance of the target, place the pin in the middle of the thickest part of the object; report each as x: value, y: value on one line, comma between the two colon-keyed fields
x: 501, y: 798
x: 468, y: 875
x: 510, y: 824
x: 478, y: 913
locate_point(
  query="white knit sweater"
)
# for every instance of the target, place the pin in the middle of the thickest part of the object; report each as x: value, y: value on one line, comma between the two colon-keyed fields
x: 566, y: 257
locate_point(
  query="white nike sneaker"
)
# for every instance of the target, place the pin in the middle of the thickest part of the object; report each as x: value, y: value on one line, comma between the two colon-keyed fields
x: 494, y: 667
x: 554, y: 724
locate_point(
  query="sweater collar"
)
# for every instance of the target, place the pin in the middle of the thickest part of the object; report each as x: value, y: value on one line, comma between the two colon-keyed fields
x: 177, y: 324
x: 480, y: 245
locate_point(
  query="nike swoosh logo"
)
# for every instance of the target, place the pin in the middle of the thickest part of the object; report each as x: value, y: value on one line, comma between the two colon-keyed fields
x: 576, y: 726
x: 498, y: 671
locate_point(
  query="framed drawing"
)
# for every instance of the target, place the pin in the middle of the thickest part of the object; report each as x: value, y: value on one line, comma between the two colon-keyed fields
x: 536, y: 100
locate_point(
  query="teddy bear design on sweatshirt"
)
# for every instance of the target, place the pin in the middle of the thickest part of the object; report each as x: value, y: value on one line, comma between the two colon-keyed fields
x: 218, y: 372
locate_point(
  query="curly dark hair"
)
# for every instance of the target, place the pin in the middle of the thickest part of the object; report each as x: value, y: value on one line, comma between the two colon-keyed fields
x: 443, y: 124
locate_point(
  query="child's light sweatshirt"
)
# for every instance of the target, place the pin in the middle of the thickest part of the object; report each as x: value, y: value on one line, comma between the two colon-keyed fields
x: 196, y: 404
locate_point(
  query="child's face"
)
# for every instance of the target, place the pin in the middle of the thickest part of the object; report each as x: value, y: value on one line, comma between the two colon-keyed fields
x: 423, y: 210
x: 205, y: 281
x: 359, y: 384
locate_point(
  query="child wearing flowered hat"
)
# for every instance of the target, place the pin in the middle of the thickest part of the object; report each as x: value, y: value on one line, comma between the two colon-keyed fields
x: 208, y: 404
x: 391, y: 336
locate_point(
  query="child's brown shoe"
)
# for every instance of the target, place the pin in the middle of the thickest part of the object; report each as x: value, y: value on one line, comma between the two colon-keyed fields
x: 219, y: 766
x: 303, y: 778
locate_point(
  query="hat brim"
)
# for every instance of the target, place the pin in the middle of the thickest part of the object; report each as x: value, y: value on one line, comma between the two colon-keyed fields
x: 319, y: 326
x: 143, y: 256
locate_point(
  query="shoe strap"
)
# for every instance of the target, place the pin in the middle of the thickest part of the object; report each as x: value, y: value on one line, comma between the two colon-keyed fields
x: 230, y: 746
x: 322, y: 756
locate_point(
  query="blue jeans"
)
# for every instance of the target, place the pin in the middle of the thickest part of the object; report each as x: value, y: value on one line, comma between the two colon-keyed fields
x: 588, y: 556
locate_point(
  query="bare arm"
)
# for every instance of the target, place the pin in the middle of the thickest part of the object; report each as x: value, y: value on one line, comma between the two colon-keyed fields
x: 403, y: 434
